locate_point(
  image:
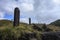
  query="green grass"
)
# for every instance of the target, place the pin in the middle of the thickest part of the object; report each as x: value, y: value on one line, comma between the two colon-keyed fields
x: 8, y: 32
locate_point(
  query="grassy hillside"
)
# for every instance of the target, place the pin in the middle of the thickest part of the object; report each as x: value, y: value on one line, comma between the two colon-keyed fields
x: 56, y: 23
x: 8, y: 32
x: 9, y: 24
x: 5, y: 23
x: 24, y: 31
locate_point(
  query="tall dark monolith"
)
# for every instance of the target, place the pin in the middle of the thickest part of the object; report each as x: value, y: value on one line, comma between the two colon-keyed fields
x: 16, y: 16
x: 29, y: 21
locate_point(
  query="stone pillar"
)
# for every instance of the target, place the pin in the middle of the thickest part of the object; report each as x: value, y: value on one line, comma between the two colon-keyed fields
x: 29, y: 21
x: 16, y: 16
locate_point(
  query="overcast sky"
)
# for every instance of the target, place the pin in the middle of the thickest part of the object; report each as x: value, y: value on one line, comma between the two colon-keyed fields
x: 40, y: 11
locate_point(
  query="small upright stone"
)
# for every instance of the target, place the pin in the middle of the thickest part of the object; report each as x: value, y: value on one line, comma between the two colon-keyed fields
x: 29, y: 21
x: 16, y: 16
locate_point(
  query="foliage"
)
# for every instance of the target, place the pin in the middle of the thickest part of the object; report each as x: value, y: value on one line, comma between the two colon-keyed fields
x: 8, y: 32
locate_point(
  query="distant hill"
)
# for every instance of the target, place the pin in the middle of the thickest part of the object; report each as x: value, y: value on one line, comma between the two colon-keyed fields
x: 5, y: 22
x: 56, y: 23
x: 9, y: 23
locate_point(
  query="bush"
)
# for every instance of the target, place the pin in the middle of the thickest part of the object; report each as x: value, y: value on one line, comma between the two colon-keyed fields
x: 35, y: 27
x: 6, y: 34
x: 44, y: 26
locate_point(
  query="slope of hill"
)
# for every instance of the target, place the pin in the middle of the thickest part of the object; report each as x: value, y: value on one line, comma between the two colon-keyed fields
x: 23, y: 31
x: 5, y: 22
x: 8, y: 22
x: 56, y: 23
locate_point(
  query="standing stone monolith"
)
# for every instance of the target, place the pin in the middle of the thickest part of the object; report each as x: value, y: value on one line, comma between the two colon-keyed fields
x: 16, y: 16
x: 29, y: 21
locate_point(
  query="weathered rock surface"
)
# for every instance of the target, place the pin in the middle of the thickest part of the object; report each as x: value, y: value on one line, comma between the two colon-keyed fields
x: 51, y: 36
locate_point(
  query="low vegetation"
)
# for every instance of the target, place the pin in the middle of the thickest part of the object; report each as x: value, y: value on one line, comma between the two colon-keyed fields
x: 23, y: 31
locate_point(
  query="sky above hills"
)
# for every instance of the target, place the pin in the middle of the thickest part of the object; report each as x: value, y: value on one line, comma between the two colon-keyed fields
x: 40, y: 11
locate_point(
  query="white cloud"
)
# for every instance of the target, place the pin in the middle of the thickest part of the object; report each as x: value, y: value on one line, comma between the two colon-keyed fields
x: 25, y: 20
x: 1, y: 14
x: 47, y: 10
x: 56, y: 1
x: 27, y: 1
x: 9, y: 5
x: 3, y: 19
x: 27, y: 7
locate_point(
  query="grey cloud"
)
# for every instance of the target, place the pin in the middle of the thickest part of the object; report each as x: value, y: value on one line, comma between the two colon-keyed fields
x: 45, y: 11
